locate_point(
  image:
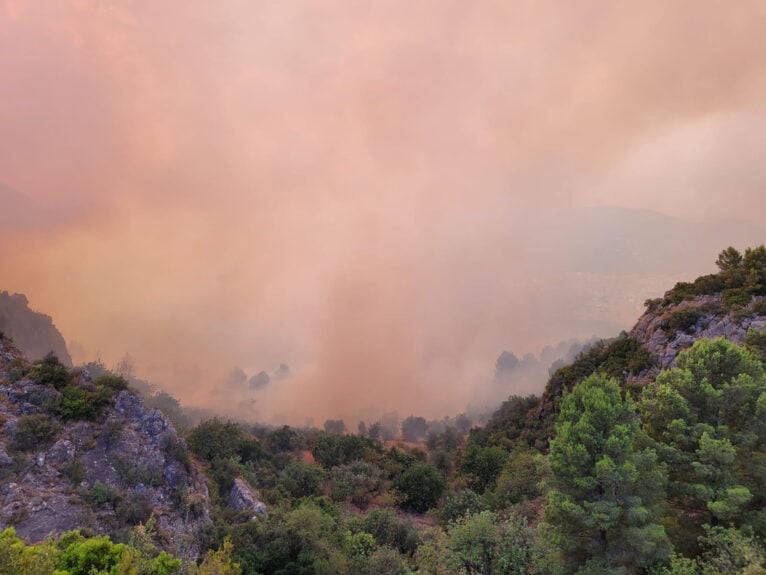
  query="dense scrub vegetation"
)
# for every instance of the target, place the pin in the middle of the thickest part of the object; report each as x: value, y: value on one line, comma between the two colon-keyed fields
x: 73, y: 396
x: 70, y: 397
x: 666, y: 481
x: 668, y: 478
x: 740, y: 277
x: 74, y: 553
x: 616, y: 358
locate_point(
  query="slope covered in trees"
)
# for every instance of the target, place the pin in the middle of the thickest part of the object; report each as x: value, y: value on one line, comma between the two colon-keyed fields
x: 626, y: 465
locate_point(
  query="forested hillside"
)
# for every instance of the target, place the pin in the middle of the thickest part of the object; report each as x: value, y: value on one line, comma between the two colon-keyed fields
x: 644, y: 455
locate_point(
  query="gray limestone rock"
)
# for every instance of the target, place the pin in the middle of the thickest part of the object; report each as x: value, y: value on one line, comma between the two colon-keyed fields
x: 61, y: 452
x: 131, y: 449
x: 714, y: 322
x: 242, y: 498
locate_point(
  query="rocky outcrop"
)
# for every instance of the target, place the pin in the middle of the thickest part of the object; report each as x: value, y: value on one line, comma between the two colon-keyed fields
x: 106, y: 475
x: 242, y: 498
x: 707, y: 318
x: 33, y: 332
x: 664, y: 331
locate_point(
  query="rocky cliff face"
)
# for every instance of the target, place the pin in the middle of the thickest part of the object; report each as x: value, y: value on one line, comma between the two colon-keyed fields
x: 654, y: 343
x: 105, y: 475
x: 666, y: 331
x: 33, y: 332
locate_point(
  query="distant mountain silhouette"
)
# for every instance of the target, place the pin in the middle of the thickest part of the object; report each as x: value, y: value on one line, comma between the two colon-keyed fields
x: 32, y: 332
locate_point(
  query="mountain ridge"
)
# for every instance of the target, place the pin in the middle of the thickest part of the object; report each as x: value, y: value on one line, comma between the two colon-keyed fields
x: 33, y: 332
x: 730, y: 304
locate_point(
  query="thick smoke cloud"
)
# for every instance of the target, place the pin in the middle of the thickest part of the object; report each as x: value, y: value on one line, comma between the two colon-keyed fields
x: 365, y: 191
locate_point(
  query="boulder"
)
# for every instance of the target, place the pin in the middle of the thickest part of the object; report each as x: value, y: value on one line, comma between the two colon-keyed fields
x: 242, y: 498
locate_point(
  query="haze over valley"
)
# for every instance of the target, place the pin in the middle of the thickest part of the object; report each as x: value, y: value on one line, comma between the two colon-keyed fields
x: 382, y: 199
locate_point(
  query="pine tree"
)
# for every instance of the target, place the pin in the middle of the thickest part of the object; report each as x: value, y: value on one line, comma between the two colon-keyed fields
x: 707, y: 418
x: 606, y: 494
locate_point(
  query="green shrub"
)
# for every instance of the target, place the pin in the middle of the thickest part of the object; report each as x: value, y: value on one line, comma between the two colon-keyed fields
x: 216, y: 439
x: 510, y: 423
x: 95, y: 555
x: 443, y: 460
x: 175, y: 448
x: 79, y: 403
x: 758, y: 307
x: 76, y: 404
x: 302, y: 479
x: 421, y: 487
x: 746, y: 273
x: 709, y: 284
x: 653, y: 305
x: 134, y: 474
x: 220, y: 562
x: 485, y: 543
x: 101, y: 494
x: 614, y: 358
x: 735, y: 297
x: 331, y: 450
x: 680, y: 292
x: 75, y: 472
x: 383, y: 561
x: 110, y: 383
x: 250, y: 450
x: 285, y: 439
x: 520, y: 480
x: 482, y: 465
x: 223, y: 472
x: 50, y: 371
x: 397, y: 460
x: 17, y: 370
x: 75, y: 554
x: 682, y: 320
x: 34, y: 430
x: 448, y: 440
x: 334, y: 426
x: 134, y: 509
x: 414, y: 428
x: 357, y: 482
x: 754, y: 267
x: 390, y: 530
x: 755, y: 341
x: 16, y: 558
x: 190, y: 504
x: 625, y: 355
x: 704, y: 285
x: 457, y: 505
x: 731, y: 550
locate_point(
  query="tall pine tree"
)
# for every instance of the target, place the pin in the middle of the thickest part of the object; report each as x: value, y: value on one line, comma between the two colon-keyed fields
x: 606, y: 494
x: 707, y: 419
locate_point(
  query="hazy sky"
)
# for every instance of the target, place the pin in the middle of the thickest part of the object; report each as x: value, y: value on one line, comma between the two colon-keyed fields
x: 350, y: 187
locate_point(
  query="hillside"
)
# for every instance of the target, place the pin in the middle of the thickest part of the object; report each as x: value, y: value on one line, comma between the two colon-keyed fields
x: 80, y: 452
x: 644, y: 455
x: 728, y: 304
x: 33, y: 332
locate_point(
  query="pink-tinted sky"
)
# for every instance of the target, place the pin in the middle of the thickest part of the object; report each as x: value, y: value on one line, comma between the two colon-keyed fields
x: 348, y: 187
